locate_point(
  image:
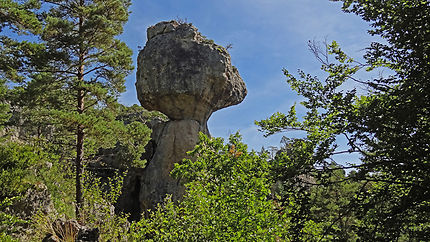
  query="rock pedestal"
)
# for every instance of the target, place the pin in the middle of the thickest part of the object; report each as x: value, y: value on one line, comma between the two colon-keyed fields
x: 187, y: 77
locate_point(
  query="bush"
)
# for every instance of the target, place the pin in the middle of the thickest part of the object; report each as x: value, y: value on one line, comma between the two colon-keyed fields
x: 227, y: 191
x: 98, y: 210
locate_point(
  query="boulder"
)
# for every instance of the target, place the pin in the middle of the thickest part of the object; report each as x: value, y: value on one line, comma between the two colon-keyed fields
x: 36, y: 199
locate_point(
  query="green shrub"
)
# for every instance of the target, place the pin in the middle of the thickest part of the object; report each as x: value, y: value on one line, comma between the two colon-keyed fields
x: 98, y: 209
x: 18, y: 164
x: 227, y: 191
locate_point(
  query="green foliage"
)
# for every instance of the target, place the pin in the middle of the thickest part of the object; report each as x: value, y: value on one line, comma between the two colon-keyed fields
x: 69, y: 80
x: 64, y: 96
x: 98, y: 209
x: 134, y: 136
x: 16, y: 163
x: 81, y: 39
x: 68, y: 69
x: 227, y: 191
x: 58, y: 178
x: 8, y: 222
x: 388, y: 126
x: 332, y: 205
x: 23, y: 167
x: 4, y: 107
x: 207, y: 41
x: 295, y: 181
x: 19, y: 16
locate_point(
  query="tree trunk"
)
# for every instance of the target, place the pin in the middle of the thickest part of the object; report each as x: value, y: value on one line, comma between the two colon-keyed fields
x: 80, y: 134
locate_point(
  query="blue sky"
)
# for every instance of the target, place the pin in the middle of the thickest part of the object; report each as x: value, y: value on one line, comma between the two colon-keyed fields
x: 267, y: 35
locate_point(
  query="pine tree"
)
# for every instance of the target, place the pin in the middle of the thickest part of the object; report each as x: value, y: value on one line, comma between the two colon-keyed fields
x: 93, y: 63
x: 69, y: 77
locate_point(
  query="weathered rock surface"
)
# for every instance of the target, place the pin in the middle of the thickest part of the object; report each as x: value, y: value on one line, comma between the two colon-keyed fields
x: 36, y: 199
x: 187, y: 77
x: 177, y: 137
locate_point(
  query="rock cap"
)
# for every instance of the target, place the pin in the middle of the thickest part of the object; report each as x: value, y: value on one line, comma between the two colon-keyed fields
x: 184, y: 75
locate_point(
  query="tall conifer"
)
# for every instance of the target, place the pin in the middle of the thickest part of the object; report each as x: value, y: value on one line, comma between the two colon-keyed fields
x: 69, y: 74
x: 92, y: 62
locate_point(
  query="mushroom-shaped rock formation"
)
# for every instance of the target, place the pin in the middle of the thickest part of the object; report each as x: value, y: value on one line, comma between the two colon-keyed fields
x: 184, y: 75
x: 187, y: 77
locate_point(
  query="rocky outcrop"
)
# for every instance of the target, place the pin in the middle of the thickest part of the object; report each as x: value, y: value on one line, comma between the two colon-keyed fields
x: 187, y: 77
x: 36, y: 199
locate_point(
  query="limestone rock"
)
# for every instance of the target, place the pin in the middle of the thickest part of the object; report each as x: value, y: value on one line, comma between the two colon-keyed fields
x: 185, y: 76
x: 36, y: 199
x: 177, y: 138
